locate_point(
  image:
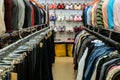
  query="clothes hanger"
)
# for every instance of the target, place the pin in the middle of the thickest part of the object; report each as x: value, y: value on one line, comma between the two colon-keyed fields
x: 92, y: 3
x: 38, y: 4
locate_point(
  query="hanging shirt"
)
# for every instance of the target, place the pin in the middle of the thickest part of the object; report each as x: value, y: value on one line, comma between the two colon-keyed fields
x: 2, y: 24
x: 104, y: 12
x: 86, y: 9
x: 89, y: 15
x: 33, y: 16
x: 117, y: 15
x: 36, y: 13
x: 94, y: 11
x: 21, y: 14
x: 15, y: 12
x: 110, y: 14
x: 8, y: 14
x: 99, y: 17
x: 28, y: 14
x: 81, y: 65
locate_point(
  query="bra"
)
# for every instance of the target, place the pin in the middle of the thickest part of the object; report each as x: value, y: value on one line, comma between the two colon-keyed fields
x: 53, y: 18
x: 70, y: 18
x: 67, y: 18
x: 61, y: 29
x: 60, y: 6
x: 77, y: 18
x: 77, y: 6
x: 69, y: 6
x: 76, y: 28
x: 60, y: 18
x: 52, y: 6
x: 63, y: 6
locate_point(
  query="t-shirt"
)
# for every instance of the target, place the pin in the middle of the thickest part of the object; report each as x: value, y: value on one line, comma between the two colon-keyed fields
x: 117, y: 15
x: 89, y: 15
x: 99, y: 17
x: 104, y: 12
x: 110, y: 14
x: 2, y: 24
x: 94, y: 11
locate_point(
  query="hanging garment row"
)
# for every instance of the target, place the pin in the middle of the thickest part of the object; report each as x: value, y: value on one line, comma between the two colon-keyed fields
x: 94, y: 59
x: 9, y: 38
x: 103, y: 13
x: 18, y: 14
x: 30, y: 60
x: 109, y: 36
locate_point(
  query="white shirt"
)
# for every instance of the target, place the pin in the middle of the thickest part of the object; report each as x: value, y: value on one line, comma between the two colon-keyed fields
x: 2, y: 23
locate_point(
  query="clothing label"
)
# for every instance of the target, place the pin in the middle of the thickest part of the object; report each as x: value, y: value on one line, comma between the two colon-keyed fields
x: 13, y: 76
x: 41, y: 44
x: 49, y: 34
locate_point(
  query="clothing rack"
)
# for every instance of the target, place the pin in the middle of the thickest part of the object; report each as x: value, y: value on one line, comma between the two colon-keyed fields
x: 107, y: 39
x: 5, y: 51
x: 19, y: 34
x: 29, y: 29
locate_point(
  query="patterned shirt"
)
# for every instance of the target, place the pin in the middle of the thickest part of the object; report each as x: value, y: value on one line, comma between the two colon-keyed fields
x: 99, y: 17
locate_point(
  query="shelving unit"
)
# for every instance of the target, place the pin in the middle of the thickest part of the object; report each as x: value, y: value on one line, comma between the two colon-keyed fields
x: 63, y: 37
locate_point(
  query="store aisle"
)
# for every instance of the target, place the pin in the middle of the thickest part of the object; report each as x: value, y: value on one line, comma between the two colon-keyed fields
x: 63, y: 69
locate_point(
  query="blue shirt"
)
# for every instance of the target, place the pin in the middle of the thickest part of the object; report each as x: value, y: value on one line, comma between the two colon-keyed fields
x: 89, y: 15
x: 110, y: 14
x: 86, y: 9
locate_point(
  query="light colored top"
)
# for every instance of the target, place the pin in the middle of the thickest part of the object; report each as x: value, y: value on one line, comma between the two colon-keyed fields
x: 117, y: 15
x: 21, y: 14
x: 93, y: 11
x: 81, y: 65
x: 104, y: 12
x: 2, y: 23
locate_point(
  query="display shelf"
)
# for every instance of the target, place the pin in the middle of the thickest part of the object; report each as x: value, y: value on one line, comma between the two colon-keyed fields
x: 66, y: 9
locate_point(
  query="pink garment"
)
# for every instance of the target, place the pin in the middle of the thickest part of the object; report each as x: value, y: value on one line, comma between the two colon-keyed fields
x: 112, y: 71
x: 117, y: 15
x: 113, y: 68
x: 104, y: 12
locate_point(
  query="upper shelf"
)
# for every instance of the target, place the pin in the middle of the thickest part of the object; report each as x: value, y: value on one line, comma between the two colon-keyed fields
x: 66, y: 9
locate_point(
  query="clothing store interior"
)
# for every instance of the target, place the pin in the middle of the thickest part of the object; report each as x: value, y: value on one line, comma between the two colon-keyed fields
x: 59, y: 40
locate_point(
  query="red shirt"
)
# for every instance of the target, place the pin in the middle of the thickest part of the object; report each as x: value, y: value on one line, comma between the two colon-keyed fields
x: 8, y: 15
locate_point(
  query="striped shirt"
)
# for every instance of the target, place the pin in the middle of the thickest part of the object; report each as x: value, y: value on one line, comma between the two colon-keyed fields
x: 99, y: 17
x: 117, y: 15
x: 104, y: 12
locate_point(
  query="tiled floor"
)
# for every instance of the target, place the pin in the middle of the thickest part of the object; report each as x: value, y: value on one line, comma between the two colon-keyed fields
x: 63, y: 69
